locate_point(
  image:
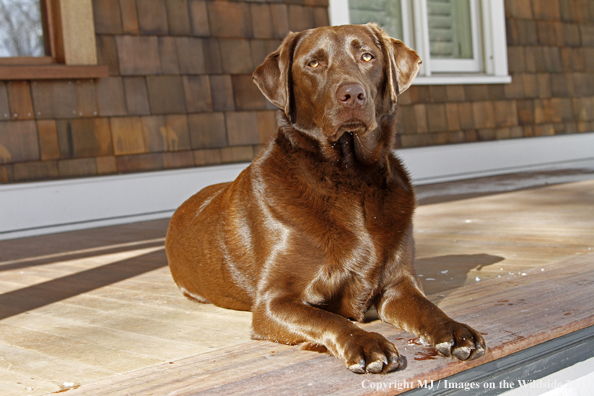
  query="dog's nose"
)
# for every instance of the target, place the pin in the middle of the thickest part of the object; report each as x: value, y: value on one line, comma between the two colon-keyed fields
x: 351, y: 95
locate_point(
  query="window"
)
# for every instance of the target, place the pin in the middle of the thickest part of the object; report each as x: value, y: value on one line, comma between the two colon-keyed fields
x: 460, y: 41
x: 21, y: 29
x: 48, y: 39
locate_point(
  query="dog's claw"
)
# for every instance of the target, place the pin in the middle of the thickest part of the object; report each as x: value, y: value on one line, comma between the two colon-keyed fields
x: 445, y: 348
x: 462, y: 353
x: 375, y: 367
x: 358, y: 368
x: 478, y: 352
x: 371, y: 353
x: 459, y: 341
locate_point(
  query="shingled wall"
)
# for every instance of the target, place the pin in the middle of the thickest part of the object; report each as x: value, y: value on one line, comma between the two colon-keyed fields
x: 179, y: 92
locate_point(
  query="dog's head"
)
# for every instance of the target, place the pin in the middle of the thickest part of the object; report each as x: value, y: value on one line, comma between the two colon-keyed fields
x: 337, y: 79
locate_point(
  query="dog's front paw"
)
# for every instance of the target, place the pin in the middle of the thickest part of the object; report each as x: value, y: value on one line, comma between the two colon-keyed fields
x: 457, y: 340
x: 369, y: 352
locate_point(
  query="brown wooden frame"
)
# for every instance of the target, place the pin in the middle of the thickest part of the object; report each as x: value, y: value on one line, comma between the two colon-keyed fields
x: 52, y: 66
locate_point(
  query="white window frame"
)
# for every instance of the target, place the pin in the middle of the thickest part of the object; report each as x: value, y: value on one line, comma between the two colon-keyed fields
x: 489, y: 43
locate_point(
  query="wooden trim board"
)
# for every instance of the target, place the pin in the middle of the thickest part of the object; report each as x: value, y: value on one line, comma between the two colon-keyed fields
x: 514, y: 312
x: 46, y: 207
x: 52, y: 72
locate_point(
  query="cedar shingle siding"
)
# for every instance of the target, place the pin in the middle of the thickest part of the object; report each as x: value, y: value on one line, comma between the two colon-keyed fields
x: 180, y: 93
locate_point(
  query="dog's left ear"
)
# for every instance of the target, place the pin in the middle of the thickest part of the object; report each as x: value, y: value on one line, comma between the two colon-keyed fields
x: 273, y: 76
x: 402, y: 63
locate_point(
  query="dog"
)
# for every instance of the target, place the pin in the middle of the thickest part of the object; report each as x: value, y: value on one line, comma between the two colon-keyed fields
x: 318, y: 229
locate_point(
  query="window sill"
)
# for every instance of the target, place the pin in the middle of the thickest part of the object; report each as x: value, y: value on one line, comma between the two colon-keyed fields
x: 455, y: 79
x: 51, y: 72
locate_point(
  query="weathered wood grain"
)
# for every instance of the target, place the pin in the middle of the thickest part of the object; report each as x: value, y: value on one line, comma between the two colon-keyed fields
x: 97, y: 296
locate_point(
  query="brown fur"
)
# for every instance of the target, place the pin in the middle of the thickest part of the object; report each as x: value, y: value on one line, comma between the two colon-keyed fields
x: 318, y: 228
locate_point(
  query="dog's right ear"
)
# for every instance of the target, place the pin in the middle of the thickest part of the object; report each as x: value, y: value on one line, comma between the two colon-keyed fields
x: 273, y: 76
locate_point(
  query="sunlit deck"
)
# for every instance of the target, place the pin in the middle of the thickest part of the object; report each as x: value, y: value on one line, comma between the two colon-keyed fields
x: 97, y: 310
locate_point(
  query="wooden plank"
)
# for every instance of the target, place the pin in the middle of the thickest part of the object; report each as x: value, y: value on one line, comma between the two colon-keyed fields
x: 242, y: 128
x: 280, y: 20
x: 86, y: 98
x: 64, y: 99
x: 4, y: 108
x: 78, y: 33
x: 51, y: 72
x: 30, y: 171
x: 80, y: 167
x: 504, y: 308
x: 229, y: 19
x: 140, y: 163
x: 237, y: 154
x: 84, y: 137
x: 199, y: 18
x: 168, y: 54
x: 18, y: 141
x: 177, y: 134
x: 129, y: 17
x: 43, y: 101
x: 127, y: 135
x: 222, y: 93
x: 136, y: 96
x: 197, y: 93
x: 246, y: 93
x: 190, y: 51
x: 301, y: 17
x: 6, y: 175
x: 207, y: 157
x: 181, y: 159
x: 266, y: 125
x: 110, y: 96
x: 207, y: 130
x: 262, y: 24
x: 106, y: 165
x: 166, y: 94
x: 107, y: 17
x: 178, y: 17
x: 19, y: 99
x: 107, y: 54
x: 236, y: 56
x: 152, y: 17
x: 213, y: 62
x: 48, y: 139
x: 153, y: 128
x: 138, y: 55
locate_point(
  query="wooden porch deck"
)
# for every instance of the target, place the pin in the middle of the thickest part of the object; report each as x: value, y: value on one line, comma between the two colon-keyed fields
x: 97, y: 310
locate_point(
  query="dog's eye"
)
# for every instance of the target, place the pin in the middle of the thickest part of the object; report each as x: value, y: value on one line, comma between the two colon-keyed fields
x: 366, y: 57
x: 313, y: 64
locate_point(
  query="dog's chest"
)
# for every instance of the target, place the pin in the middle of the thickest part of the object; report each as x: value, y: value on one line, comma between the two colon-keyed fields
x: 364, y: 231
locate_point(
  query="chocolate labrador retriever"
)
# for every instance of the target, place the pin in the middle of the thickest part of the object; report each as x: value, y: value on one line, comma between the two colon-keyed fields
x: 318, y: 228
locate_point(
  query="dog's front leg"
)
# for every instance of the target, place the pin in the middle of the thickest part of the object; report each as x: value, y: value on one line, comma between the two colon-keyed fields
x: 406, y: 307
x: 289, y: 321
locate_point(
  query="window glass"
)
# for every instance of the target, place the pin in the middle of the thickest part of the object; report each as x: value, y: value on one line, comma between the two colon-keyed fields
x: 450, y: 29
x: 387, y: 13
x: 21, y: 28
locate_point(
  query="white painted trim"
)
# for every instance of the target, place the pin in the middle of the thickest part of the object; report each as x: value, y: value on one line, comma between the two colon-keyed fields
x: 54, y: 206
x: 338, y: 11
x: 421, y: 35
x: 494, y: 37
x: 437, y: 164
